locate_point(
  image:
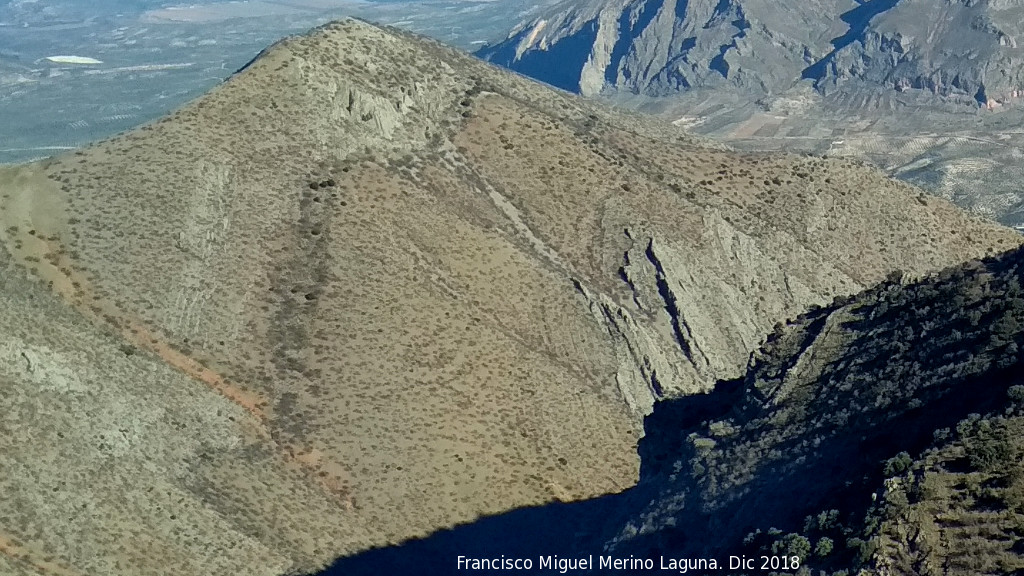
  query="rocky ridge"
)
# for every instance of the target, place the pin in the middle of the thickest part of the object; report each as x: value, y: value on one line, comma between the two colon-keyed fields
x: 963, y: 51
x: 658, y: 47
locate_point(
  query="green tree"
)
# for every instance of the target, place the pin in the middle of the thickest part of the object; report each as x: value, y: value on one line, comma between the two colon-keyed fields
x: 896, y: 465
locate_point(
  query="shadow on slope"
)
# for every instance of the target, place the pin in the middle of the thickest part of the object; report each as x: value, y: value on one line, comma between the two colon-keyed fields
x: 858, y: 20
x: 561, y: 529
x: 560, y: 65
x: 849, y: 462
x: 897, y: 363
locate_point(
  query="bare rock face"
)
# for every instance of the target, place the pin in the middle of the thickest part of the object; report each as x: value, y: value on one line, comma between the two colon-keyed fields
x: 954, y: 48
x: 657, y: 47
x: 372, y: 287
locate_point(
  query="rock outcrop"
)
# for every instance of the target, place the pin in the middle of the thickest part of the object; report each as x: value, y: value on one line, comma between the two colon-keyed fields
x: 658, y: 47
x: 962, y: 50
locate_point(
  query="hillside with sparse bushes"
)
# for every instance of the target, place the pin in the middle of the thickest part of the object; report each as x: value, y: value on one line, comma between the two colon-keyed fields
x: 370, y: 288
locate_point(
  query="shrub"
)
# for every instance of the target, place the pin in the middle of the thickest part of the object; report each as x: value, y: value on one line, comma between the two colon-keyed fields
x: 823, y: 547
x: 793, y: 545
x: 1016, y: 393
x: 897, y: 465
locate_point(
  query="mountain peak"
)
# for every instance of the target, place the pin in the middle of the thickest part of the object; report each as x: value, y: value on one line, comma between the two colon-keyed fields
x: 371, y: 287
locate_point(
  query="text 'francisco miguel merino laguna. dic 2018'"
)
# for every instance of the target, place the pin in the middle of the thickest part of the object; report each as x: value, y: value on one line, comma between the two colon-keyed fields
x: 680, y: 565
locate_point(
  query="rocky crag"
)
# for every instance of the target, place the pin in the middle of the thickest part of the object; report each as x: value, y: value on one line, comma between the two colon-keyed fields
x: 659, y: 47
x: 953, y: 48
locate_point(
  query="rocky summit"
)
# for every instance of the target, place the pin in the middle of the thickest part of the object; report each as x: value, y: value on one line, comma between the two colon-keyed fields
x: 371, y: 287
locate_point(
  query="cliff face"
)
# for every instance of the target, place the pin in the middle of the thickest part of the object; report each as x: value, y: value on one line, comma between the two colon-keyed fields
x: 372, y: 287
x: 657, y: 47
x: 882, y: 426
x: 958, y: 49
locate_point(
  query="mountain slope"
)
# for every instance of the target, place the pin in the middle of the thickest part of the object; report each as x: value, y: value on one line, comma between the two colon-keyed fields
x: 819, y: 439
x: 926, y: 90
x: 371, y: 287
x: 879, y: 435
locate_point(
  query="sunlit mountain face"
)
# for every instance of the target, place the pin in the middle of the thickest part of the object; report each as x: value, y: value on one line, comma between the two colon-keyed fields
x: 154, y: 56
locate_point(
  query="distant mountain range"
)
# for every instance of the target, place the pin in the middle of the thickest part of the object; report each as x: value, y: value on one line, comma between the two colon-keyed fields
x: 958, y: 49
x: 657, y: 47
x: 929, y: 91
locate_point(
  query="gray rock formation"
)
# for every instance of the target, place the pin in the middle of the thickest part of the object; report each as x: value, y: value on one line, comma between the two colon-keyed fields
x: 657, y: 47
x: 961, y: 49
x: 951, y: 48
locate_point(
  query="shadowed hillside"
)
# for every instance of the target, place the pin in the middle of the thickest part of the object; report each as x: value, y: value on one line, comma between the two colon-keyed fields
x: 371, y: 287
x: 878, y: 435
x: 834, y: 405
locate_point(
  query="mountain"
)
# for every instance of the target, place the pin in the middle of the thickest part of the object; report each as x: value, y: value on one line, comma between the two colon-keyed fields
x: 928, y: 91
x: 371, y: 287
x: 657, y: 47
x: 963, y: 49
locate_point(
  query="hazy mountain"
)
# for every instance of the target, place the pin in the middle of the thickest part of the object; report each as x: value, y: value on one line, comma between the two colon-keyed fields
x: 371, y: 287
x: 657, y: 47
x: 963, y: 49
x: 952, y: 48
x: 929, y: 91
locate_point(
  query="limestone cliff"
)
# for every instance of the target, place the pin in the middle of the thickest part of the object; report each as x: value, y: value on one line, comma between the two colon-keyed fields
x: 658, y: 47
x: 954, y: 48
